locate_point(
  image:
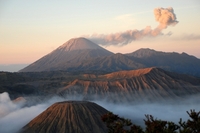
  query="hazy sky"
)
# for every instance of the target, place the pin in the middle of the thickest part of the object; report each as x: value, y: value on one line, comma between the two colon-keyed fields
x: 32, y: 29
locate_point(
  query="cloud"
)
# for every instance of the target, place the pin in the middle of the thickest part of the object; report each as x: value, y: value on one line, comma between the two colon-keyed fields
x: 19, y: 116
x: 164, y: 16
x: 15, y: 120
x: 13, y: 116
x: 6, y: 105
x: 168, y: 110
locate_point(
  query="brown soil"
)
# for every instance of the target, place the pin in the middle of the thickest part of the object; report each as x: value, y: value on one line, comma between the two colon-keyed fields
x: 69, y: 117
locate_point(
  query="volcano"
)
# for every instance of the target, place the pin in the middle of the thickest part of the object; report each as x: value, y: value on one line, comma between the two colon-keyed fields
x: 68, y: 55
x: 82, y: 55
x: 69, y: 117
x: 143, y: 85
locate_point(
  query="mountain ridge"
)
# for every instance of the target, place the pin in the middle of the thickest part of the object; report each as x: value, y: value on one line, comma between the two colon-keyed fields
x: 121, y: 86
x: 170, y: 61
x: 78, y: 44
x: 80, y: 54
x: 134, y: 85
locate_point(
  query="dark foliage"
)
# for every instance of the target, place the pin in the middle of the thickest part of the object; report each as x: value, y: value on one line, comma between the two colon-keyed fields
x: 158, y: 126
x: 116, y: 124
x: 192, y: 125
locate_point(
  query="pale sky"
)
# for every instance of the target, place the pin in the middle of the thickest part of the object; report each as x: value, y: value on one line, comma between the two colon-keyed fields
x: 30, y: 29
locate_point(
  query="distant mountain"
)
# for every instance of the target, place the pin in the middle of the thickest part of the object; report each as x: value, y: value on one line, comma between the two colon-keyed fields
x: 181, y: 63
x: 152, y: 84
x: 67, y: 56
x: 80, y: 54
x: 69, y: 117
x: 12, y: 67
x: 143, y: 58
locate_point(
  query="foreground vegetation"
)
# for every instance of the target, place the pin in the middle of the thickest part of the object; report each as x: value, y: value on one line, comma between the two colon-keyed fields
x: 116, y: 124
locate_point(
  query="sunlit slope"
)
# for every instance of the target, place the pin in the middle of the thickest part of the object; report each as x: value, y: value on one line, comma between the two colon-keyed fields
x: 67, y: 56
x: 149, y: 83
x: 69, y: 117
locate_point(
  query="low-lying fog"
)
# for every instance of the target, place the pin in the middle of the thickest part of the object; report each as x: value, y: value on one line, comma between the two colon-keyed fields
x: 13, y: 116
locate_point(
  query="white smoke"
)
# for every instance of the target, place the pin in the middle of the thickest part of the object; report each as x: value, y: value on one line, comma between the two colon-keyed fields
x: 165, y: 17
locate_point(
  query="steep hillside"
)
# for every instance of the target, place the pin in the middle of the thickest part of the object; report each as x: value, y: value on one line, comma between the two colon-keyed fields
x: 69, y: 117
x: 68, y: 55
x: 144, y: 84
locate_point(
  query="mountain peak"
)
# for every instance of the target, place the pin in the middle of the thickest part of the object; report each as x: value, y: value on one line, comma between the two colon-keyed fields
x: 78, y: 44
x: 69, y: 117
x: 68, y: 56
x: 144, y: 52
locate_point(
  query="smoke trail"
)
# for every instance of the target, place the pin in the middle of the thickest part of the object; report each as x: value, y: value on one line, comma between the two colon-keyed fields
x: 165, y: 17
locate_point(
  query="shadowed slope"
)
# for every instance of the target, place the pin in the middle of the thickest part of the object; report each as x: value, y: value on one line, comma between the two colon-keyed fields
x: 115, y: 62
x: 171, y: 61
x: 69, y: 117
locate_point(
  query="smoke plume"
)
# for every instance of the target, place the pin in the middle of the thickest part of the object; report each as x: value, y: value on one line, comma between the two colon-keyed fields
x: 164, y: 16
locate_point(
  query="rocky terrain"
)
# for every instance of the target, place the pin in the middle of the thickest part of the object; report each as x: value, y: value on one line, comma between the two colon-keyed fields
x: 69, y: 117
x: 150, y: 84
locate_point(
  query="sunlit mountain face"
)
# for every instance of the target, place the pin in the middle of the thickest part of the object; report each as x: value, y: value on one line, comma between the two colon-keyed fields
x: 131, y: 58
x: 70, y: 54
x: 131, y: 85
x: 69, y: 117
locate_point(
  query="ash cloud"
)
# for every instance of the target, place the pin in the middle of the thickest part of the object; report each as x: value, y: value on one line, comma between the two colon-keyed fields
x: 164, y: 16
